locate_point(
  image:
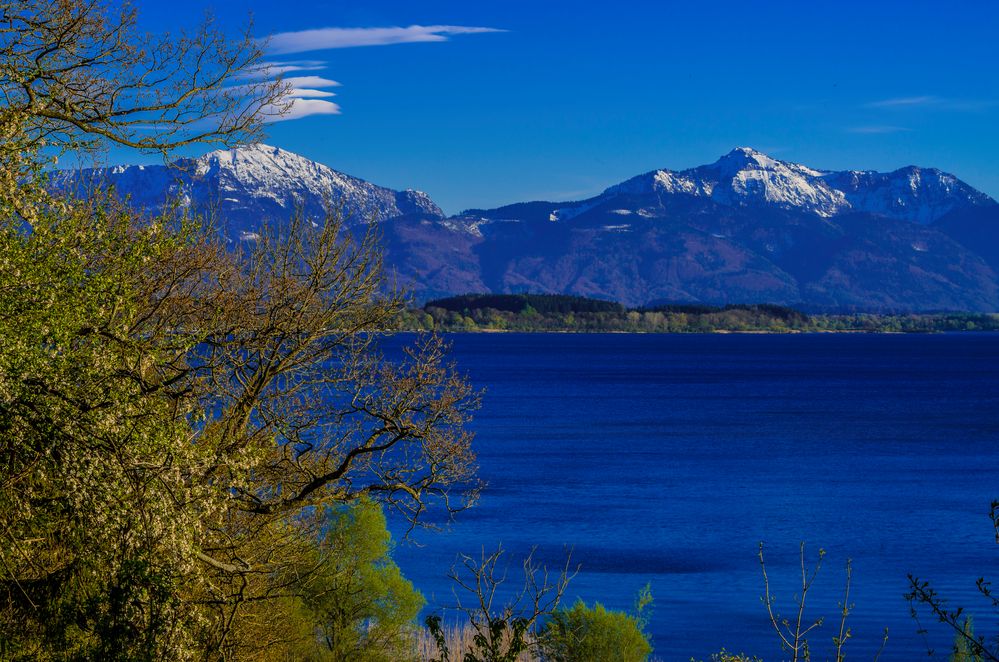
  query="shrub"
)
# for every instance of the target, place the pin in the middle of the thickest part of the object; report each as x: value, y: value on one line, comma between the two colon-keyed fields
x: 583, y: 633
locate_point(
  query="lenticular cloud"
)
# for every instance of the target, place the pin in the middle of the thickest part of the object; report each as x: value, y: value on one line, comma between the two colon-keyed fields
x: 326, y: 38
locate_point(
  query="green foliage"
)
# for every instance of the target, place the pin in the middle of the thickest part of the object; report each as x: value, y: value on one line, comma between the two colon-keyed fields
x: 551, y: 312
x: 364, y: 608
x: 643, y: 607
x: 582, y: 633
x: 436, y: 630
x: 964, y: 648
x: 521, y: 303
x: 188, y: 433
x: 80, y: 504
x: 178, y: 450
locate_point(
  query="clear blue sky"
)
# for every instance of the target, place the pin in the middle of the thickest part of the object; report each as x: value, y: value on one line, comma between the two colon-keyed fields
x: 575, y: 96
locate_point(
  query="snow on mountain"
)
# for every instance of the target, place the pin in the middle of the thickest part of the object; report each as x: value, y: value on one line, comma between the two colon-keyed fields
x: 256, y: 185
x: 911, y: 239
x: 920, y: 195
x: 746, y: 177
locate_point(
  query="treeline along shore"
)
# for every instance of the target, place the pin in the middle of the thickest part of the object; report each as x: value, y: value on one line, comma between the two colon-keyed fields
x: 574, y: 314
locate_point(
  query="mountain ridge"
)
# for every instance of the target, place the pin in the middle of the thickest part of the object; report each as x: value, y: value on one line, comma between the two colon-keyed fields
x: 747, y: 228
x: 254, y: 185
x: 746, y: 176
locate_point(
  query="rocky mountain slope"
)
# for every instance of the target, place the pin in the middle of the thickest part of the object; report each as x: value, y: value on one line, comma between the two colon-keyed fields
x: 747, y: 228
x: 747, y: 178
x: 254, y: 185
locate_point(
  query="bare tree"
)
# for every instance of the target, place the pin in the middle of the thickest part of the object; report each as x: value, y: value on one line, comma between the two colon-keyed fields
x: 922, y: 595
x: 79, y: 75
x: 793, y: 635
x: 76, y: 73
x: 502, y: 631
x: 793, y: 632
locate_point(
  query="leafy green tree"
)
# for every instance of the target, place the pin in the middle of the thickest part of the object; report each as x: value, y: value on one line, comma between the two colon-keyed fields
x: 176, y: 418
x: 365, y: 609
x: 178, y: 421
x: 582, y: 633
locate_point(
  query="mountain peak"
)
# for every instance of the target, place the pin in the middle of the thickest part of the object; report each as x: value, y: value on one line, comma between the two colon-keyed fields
x: 747, y: 177
x: 256, y: 185
x: 256, y: 159
x: 748, y: 153
x: 747, y: 157
x: 248, y: 149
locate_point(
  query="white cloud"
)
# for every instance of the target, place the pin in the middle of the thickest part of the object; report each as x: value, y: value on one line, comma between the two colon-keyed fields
x: 304, y: 108
x: 306, y: 98
x: 302, y: 93
x: 310, y: 81
x: 902, y: 102
x: 877, y: 129
x: 280, y: 68
x: 935, y: 103
x: 273, y: 69
x: 326, y: 38
x: 307, y: 93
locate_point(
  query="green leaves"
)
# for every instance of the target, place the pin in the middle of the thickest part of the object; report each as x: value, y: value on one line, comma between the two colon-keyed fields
x: 595, y: 633
x: 213, y: 415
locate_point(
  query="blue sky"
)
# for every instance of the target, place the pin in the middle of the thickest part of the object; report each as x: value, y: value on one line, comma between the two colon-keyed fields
x: 566, y: 98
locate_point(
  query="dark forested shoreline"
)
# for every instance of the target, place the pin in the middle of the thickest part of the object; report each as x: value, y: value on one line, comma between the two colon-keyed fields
x: 572, y: 314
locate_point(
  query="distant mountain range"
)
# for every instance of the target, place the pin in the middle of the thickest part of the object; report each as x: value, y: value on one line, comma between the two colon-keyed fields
x: 747, y: 228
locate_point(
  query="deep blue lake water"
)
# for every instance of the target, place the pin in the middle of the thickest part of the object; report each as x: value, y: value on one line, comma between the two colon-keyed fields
x: 668, y: 458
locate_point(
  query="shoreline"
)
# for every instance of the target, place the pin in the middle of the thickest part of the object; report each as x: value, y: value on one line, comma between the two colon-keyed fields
x: 719, y: 332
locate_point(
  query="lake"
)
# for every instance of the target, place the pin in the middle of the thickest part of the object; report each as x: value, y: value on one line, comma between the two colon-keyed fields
x: 667, y: 459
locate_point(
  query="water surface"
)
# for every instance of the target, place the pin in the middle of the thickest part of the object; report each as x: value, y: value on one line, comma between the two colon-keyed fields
x: 668, y: 458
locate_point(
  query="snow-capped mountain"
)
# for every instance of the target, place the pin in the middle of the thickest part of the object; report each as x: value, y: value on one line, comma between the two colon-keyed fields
x: 747, y: 228
x: 251, y: 186
x: 750, y: 228
x: 745, y: 177
x: 920, y: 195
x: 742, y: 177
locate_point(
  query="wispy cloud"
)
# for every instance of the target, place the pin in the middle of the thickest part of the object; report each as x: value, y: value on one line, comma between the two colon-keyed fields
x: 326, y: 38
x: 308, y: 93
x: 311, y: 81
x: 301, y: 107
x: 934, y: 102
x: 305, y: 93
x: 281, y: 68
x: 306, y: 96
x: 905, y: 102
x: 876, y: 129
x: 274, y: 69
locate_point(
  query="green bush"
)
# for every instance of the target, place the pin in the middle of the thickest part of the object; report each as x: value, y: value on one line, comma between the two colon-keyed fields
x: 582, y: 634
x: 356, y: 599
